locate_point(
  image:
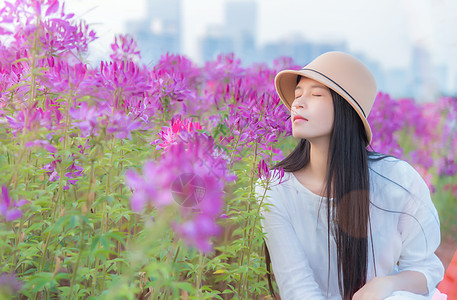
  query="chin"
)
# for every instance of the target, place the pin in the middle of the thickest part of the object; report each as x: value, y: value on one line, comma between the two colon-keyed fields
x: 298, y: 136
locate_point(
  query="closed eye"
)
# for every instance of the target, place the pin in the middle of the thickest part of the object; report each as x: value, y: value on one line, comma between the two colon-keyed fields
x: 317, y: 95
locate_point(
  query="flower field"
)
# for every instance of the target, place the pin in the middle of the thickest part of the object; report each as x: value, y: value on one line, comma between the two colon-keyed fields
x: 123, y: 180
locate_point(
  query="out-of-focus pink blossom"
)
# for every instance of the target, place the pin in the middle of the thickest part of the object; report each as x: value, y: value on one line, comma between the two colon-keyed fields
x: 194, y: 154
x: 385, y: 121
x: 426, y: 176
x: 86, y: 118
x: 30, y: 118
x: 125, y: 48
x: 64, y: 77
x: 198, y: 232
x: 43, y: 144
x: 91, y: 120
x: 9, y: 208
x: 452, y: 188
x: 9, y: 284
x: 42, y: 22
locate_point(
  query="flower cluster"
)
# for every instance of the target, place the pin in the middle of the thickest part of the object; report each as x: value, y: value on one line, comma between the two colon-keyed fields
x: 92, y: 120
x: 170, y: 135
x: 385, y: 133
x: 125, y: 48
x: 192, y: 173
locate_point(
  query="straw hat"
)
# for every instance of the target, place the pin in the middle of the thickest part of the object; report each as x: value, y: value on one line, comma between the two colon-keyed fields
x: 340, y: 72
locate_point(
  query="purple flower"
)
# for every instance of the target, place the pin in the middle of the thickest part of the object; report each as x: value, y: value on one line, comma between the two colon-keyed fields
x: 43, y: 144
x: 8, y: 208
x: 384, y: 133
x: 37, y: 118
x: 117, y: 82
x: 125, y: 48
x: 91, y: 120
x: 198, y: 232
x: 63, y: 76
x: 122, y: 126
x: 51, y: 169
x: 265, y: 173
x: 9, y: 284
x: 170, y: 135
x: 74, y: 172
x: 160, y: 184
x: 447, y: 166
x: 87, y: 118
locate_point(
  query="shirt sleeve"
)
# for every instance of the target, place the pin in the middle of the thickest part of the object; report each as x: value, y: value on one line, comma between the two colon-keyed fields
x: 292, y: 272
x: 419, y: 227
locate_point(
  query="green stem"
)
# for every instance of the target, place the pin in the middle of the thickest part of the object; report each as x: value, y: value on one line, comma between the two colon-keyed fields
x: 240, y: 289
x: 198, y: 280
x: 234, y: 149
x: 75, y: 270
x: 48, y: 238
x: 251, y: 232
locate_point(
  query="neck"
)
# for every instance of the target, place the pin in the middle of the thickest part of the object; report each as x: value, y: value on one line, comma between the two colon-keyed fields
x: 318, y: 161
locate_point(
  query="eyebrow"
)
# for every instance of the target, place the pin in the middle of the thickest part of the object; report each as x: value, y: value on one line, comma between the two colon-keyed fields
x: 313, y: 86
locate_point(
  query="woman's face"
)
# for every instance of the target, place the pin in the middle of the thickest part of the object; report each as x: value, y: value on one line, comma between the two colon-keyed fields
x: 313, y: 101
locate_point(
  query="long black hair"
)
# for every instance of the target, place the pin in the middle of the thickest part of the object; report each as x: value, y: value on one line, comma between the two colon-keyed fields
x: 348, y: 182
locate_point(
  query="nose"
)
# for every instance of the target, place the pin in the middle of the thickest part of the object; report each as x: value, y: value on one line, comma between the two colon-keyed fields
x: 294, y: 109
x: 297, y: 103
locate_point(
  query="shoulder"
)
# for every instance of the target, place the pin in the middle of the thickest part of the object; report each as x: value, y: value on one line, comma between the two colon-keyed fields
x: 391, y: 177
x: 392, y: 171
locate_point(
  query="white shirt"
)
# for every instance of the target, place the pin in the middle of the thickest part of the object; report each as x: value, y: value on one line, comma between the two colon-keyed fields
x: 297, y: 239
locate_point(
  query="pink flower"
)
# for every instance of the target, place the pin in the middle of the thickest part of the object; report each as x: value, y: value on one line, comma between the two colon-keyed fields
x: 170, y: 135
x: 265, y: 173
x: 74, y: 172
x: 43, y: 144
x: 384, y: 133
x: 426, y: 176
x: 197, y: 232
x: 8, y: 208
x: 91, y: 120
x: 125, y: 48
x: 191, y: 173
x: 9, y: 284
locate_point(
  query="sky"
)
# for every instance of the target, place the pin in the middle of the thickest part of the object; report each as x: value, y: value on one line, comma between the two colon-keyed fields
x: 383, y: 30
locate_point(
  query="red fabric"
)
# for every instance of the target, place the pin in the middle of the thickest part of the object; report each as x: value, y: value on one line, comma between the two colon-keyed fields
x: 449, y: 283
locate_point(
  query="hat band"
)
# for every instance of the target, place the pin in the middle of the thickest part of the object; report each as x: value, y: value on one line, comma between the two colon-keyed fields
x: 339, y: 87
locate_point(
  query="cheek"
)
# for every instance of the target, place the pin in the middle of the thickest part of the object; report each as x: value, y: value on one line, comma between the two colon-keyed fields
x: 329, y: 114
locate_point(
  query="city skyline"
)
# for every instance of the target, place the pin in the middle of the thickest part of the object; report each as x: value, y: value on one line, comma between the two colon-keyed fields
x: 412, y: 25
x: 421, y: 22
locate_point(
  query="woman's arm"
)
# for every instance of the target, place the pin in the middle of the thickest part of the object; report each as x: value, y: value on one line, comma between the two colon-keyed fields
x: 410, y: 281
x: 419, y: 269
x: 383, y: 286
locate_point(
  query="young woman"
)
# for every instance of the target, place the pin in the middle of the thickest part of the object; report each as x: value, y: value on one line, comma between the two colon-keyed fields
x: 345, y: 222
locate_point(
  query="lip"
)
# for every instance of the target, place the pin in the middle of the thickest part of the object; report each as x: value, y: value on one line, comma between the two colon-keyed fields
x: 298, y: 117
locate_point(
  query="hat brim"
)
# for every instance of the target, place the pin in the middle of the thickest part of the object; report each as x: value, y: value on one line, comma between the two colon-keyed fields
x: 286, y: 81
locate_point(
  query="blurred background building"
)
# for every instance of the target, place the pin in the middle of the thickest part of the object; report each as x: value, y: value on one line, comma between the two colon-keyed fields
x: 236, y: 25
x: 160, y: 31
